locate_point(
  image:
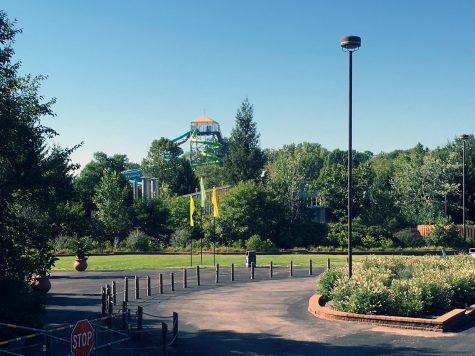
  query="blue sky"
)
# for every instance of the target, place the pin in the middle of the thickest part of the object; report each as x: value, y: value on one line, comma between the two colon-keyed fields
x: 127, y: 72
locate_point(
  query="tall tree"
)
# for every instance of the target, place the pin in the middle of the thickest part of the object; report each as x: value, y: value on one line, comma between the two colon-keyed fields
x: 111, y: 208
x: 163, y: 161
x: 34, y: 178
x: 244, y: 159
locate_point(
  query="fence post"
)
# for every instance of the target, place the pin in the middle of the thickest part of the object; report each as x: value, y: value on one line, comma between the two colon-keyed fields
x: 217, y: 274
x: 46, y: 345
x: 198, y: 281
x: 175, y: 328
x: 139, y: 321
x: 160, y: 283
x: 110, y: 312
x: 114, y: 293
x: 252, y: 270
x: 310, y: 272
x: 108, y: 294
x: 137, y: 294
x: 172, y: 276
x: 291, y: 272
x: 271, y: 270
x: 103, y: 301
x: 232, y: 272
x: 328, y: 263
x: 149, y: 287
x: 126, y: 289
x: 184, y: 278
x: 164, y: 339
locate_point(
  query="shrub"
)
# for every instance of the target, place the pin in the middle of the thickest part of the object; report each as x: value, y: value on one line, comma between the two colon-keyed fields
x: 409, y: 238
x: 445, y: 235
x: 255, y: 243
x: 139, y: 241
x: 180, y: 237
x: 328, y: 281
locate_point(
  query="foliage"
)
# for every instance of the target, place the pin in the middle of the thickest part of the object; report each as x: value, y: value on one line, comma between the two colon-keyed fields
x: 445, y: 236
x: 409, y: 237
x: 109, y: 199
x: 80, y: 246
x: 163, y: 161
x: 140, y: 241
x: 42, y: 261
x: 180, y: 237
x: 402, y: 286
x: 244, y: 159
x: 362, y: 236
x: 255, y: 243
x: 151, y: 216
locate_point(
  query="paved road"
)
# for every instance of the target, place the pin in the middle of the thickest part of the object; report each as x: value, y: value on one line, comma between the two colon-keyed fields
x: 260, y: 317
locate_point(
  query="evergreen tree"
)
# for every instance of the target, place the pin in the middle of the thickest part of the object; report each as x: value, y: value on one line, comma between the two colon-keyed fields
x: 244, y: 159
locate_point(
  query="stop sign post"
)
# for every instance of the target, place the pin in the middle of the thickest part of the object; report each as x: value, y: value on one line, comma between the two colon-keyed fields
x: 82, y: 338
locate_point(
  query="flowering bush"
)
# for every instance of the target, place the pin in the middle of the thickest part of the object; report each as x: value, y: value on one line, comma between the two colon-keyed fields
x: 406, y: 286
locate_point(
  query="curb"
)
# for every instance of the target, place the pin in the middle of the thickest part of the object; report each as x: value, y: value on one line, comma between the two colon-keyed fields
x: 443, y: 323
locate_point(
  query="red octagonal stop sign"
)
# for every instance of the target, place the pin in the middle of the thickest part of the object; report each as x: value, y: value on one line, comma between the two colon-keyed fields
x: 82, y: 338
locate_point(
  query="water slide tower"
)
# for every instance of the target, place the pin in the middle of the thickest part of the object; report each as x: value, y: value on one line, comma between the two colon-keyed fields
x: 206, y: 142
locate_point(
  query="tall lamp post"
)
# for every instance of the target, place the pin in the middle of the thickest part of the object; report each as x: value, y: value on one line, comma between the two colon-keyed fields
x: 464, y: 138
x: 350, y: 44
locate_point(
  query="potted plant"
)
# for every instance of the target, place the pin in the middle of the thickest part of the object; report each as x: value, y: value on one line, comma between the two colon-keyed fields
x: 42, y: 261
x: 80, y: 246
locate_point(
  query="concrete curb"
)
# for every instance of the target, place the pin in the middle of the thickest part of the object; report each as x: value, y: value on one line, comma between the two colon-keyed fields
x: 443, y: 323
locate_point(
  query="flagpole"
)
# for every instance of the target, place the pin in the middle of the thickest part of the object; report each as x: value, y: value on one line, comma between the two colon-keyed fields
x: 201, y: 240
x: 214, y: 241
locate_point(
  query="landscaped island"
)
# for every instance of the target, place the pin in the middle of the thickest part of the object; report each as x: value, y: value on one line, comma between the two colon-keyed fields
x: 402, y: 286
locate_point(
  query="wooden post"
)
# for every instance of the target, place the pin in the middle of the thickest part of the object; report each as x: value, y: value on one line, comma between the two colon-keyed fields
x: 217, y: 274
x: 310, y: 271
x: 291, y: 271
x: 124, y: 315
x: 232, y: 272
x: 160, y: 283
x: 103, y: 301
x: 137, y: 293
x: 172, y: 277
x: 149, y: 287
x: 252, y: 270
x: 114, y: 293
x: 198, y: 281
x: 46, y: 345
x: 175, y: 328
x: 271, y: 270
x: 139, y: 321
x: 328, y: 263
x: 184, y: 278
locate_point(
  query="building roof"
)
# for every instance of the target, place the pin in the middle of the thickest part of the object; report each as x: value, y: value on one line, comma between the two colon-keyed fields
x: 204, y: 120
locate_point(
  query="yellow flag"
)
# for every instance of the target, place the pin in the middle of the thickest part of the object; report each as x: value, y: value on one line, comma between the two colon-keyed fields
x: 192, y: 210
x: 214, y: 201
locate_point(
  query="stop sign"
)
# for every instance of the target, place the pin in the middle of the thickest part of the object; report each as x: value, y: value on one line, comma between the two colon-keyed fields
x: 82, y: 338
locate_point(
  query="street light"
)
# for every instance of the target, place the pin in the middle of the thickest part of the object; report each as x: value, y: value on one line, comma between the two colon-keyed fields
x: 350, y: 44
x: 464, y: 138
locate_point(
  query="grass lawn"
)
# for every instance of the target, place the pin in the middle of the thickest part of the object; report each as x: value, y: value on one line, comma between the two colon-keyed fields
x: 125, y: 262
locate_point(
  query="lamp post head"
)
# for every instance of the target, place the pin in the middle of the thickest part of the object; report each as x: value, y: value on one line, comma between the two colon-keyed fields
x: 350, y: 43
x: 463, y: 137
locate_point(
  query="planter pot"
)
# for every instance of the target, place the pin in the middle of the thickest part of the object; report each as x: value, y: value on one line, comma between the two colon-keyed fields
x: 41, y: 284
x: 80, y: 264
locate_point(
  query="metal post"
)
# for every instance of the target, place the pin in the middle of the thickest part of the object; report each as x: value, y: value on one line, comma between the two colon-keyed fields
x: 463, y: 192
x: 184, y: 278
x: 232, y: 272
x: 164, y: 339
x: 252, y: 270
x: 291, y: 271
x: 350, y: 165
x: 103, y: 301
x: 139, y: 321
x: 217, y: 274
x: 149, y: 287
x: 271, y: 270
x: 175, y: 328
x: 126, y: 289
x: 114, y: 293
x: 310, y: 272
x: 137, y: 294
x: 160, y: 283
x: 198, y: 281
x: 172, y: 277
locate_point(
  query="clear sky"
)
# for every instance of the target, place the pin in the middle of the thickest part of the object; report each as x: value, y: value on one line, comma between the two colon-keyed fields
x: 127, y: 72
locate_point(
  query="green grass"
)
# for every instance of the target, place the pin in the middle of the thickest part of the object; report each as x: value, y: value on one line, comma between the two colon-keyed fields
x: 126, y: 262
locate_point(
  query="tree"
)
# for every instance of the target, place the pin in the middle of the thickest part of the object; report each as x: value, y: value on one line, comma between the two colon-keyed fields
x: 244, y: 159
x: 151, y: 217
x: 111, y: 210
x: 163, y: 161
x: 34, y: 179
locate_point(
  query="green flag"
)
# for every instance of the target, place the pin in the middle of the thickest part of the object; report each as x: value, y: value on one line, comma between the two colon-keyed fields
x: 203, y: 192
